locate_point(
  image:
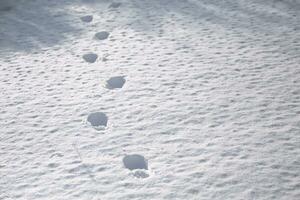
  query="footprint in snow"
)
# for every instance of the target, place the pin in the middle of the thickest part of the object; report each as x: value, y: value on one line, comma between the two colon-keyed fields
x: 90, y: 57
x: 115, y: 82
x: 98, y: 120
x: 114, y: 5
x: 135, y: 161
x: 87, y: 18
x: 137, y: 164
x: 102, y: 35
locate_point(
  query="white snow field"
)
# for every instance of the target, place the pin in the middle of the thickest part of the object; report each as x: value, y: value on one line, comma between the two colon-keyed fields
x: 210, y: 109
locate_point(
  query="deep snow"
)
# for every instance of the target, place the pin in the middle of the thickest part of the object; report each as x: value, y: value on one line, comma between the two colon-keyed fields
x: 210, y: 108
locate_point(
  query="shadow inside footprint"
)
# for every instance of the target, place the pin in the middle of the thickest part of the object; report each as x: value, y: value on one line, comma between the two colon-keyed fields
x: 135, y: 161
x: 114, y: 5
x: 97, y: 119
x: 102, y: 35
x: 115, y: 82
x: 87, y: 18
x: 90, y: 57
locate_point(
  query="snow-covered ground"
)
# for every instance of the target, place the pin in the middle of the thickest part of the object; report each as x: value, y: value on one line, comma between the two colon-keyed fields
x: 203, y: 96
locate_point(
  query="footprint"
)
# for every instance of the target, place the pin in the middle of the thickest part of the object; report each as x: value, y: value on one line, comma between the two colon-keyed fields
x: 97, y: 119
x: 115, y: 82
x: 87, y: 18
x: 90, y: 57
x: 114, y: 5
x: 102, y: 35
x: 135, y: 161
x: 53, y: 165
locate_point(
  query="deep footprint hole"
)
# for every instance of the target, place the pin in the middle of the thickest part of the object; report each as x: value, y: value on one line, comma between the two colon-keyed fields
x: 135, y: 161
x: 97, y: 119
x: 114, y: 5
x: 90, y: 57
x: 102, y: 35
x: 87, y: 18
x: 115, y: 82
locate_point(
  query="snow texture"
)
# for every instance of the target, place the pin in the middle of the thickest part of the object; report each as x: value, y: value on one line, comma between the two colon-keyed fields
x: 212, y: 100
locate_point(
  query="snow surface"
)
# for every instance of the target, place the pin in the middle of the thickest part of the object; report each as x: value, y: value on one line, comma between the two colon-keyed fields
x: 211, y: 101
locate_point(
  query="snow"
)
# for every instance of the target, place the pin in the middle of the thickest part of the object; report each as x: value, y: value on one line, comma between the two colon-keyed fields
x: 211, y: 102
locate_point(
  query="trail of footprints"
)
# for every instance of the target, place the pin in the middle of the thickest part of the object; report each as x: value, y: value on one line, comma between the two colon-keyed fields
x: 136, y: 163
